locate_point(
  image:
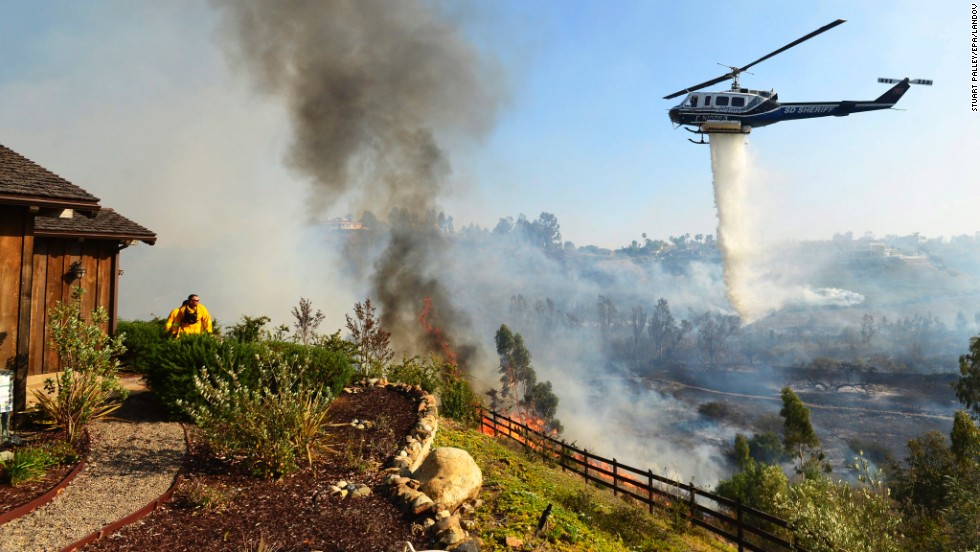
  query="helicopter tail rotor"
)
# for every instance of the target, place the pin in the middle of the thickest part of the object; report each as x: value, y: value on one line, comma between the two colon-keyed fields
x: 925, y: 82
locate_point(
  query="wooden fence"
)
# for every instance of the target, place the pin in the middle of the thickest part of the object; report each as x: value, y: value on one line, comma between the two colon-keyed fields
x: 746, y: 527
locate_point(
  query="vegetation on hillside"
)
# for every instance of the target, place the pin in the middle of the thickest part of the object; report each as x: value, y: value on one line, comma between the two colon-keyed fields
x: 518, y: 487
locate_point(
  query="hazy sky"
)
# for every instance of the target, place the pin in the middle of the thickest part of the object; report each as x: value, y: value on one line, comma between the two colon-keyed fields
x: 136, y: 103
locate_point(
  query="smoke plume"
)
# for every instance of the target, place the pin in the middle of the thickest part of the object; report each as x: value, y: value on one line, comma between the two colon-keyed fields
x: 371, y: 87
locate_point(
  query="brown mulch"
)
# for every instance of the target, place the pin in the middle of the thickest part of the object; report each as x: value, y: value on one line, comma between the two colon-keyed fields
x: 15, y: 496
x: 219, y: 506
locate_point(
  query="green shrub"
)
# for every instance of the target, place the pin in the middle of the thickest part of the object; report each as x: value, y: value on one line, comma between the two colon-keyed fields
x: 32, y: 462
x: 424, y: 372
x: 458, y: 401
x: 144, y: 343
x: 270, y: 421
x: 715, y: 410
x: 172, y: 376
x: 329, y: 368
x: 831, y: 516
x: 87, y: 388
x: 249, y: 329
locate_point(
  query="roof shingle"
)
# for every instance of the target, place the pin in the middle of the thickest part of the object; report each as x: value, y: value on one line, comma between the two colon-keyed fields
x: 106, y: 224
x: 20, y: 176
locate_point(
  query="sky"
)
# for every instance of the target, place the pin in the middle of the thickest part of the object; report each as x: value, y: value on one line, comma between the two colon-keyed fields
x: 138, y: 103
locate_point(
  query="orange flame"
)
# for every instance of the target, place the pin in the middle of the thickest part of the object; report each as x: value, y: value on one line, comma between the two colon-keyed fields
x: 436, y: 333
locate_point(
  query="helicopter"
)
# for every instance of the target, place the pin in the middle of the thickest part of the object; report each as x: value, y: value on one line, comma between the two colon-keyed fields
x: 739, y: 110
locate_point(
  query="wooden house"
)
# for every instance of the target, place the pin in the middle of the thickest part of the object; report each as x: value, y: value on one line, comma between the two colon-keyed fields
x: 53, y: 236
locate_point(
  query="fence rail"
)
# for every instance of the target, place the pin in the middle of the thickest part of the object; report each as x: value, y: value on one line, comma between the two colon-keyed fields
x: 748, y: 528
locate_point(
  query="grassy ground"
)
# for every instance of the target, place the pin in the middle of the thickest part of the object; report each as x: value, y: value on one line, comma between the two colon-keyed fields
x: 517, y: 487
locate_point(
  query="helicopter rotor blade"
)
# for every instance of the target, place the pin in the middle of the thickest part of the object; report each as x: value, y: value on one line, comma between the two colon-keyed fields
x: 724, y: 77
x: 823, y: 29
x: 735, y: 71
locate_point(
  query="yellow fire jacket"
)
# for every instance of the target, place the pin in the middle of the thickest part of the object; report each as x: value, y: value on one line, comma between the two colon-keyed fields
x: 179, y: 321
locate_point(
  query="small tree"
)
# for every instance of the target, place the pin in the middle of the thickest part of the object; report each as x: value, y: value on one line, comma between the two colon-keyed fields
x: 373, y: 342
x: 249, y: 330
x: 88, y: 386
x: 518, y: 382
x: 968, y: 386
x: 829, y: 516
x: 306, y: 321
x: 798, y: 436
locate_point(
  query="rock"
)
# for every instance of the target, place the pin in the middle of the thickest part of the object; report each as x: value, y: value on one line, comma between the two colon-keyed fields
x: 361, y: 491
x: 445, y: 523
x: 449, y: 477
x: 470, y: 545
x: 421, y: 505
x: 6, y: 455
x: 453, y: 535
x: 513, y: 542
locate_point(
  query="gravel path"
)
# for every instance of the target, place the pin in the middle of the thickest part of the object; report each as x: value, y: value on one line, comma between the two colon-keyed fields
x: 134, y: 459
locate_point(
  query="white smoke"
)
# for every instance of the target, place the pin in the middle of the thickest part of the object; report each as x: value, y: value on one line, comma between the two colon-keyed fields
x: 757, y: 279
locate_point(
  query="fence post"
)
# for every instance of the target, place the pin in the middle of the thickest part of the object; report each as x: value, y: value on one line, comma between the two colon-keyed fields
x: 615, y: 478
x: 494, y: 413
x: 585, y: 464
x: 692, y: 505
x: 562, y: 458
x: 526, y: 438
x: 738, y: 521
x: 650, y: 489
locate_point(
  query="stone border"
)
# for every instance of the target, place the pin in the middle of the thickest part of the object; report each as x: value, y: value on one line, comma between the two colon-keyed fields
x: 48, y: 496
x: 399, y: 486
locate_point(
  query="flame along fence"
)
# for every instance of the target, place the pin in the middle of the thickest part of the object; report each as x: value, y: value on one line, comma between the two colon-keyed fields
x: 748, y: 528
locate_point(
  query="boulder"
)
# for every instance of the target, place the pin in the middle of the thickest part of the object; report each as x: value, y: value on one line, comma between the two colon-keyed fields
x: 449, y: 476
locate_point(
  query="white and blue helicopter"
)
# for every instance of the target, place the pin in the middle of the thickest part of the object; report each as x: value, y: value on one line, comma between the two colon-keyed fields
x: 739, y: 110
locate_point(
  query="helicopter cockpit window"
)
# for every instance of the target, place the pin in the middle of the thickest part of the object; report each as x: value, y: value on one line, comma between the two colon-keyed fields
x: 738, y: 101
x: 693, y: 102
x: 721, y: 100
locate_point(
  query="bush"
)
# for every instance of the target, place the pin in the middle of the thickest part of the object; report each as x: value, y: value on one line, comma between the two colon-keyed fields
x: 88, y: 386
x: 435, y: 376
x: 459, y: 402
x: 831, y: 516
x: 144, y: 342
x: 171, y: 376
x: 755, y: 486
x: 424, y: 372
x: 32, y: 462
x: 329, y: 368
x: 715, y: 410
x: 271, y: 421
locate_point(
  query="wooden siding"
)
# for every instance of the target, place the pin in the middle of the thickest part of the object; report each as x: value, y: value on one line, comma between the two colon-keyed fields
x: 16, y: 244
x: 12, y: 226
x: 53, y: 258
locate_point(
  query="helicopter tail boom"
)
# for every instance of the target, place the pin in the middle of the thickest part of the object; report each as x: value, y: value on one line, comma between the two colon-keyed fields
x: 893, y: 94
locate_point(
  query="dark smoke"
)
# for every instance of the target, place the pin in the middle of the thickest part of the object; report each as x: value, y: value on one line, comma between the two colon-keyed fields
x: 371, y: 87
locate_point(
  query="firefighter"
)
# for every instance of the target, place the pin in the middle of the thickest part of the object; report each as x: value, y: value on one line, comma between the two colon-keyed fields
x: 190, y: 318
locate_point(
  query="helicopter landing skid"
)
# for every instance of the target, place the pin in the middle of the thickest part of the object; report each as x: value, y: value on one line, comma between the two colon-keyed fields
x: 696, y: 132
